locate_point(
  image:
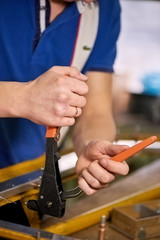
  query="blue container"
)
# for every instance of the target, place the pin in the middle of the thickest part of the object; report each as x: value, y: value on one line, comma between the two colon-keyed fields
x: 151, y: 83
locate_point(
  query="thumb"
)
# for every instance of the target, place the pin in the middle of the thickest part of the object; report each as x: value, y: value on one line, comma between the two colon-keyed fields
x: 116, y: 149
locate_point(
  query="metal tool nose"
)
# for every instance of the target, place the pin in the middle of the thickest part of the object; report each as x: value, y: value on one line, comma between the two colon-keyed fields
x: 75, y: 192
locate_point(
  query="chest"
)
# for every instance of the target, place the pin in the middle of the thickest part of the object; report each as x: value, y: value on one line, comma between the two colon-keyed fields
x: 54, y: 47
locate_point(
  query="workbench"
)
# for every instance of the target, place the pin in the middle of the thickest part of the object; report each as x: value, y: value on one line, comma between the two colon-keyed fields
x: 83, y: 215
x: 139, y: 186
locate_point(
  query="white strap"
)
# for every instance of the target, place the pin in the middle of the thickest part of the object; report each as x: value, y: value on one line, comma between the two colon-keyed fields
x: 86, y: 37
x: 87, y: 32
x: 42, y: 15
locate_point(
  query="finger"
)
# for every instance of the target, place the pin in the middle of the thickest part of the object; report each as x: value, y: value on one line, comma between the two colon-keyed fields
x: 85, y: 187
x: 74, y: 72
x: 74, y: 112
x: 78, y: 112
x: 111, y: 149
x: 121, y: 168
x: 92, y: 181
x: 70, y: 98
x: 62, y: 111
x: 101, y: 174
x: 80, y: 101
x: 69, y: 71
x: 115, y: 149
x: 61, y: 122
x: 77, y: 86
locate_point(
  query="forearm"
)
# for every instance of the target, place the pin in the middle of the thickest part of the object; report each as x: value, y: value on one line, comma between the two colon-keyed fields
x: 91, y: 128
x: 96, y: 121
x: 50, y: 99
x: 12, y: 99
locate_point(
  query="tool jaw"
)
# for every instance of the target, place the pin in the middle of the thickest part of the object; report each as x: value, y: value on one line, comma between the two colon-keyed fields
x: 50, y: 201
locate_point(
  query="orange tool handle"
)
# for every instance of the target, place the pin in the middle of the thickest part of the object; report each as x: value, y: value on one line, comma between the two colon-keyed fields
x: 136, y: 148
x: 51, y: 132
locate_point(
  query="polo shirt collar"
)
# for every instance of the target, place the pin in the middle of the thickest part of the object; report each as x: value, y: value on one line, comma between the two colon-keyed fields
x: 82, y: 5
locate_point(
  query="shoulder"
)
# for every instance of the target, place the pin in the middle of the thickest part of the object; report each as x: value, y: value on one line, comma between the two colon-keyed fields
x: 109, y: 7
x: 109, y: 10
x: 109, y: 13
x: 108, y: 4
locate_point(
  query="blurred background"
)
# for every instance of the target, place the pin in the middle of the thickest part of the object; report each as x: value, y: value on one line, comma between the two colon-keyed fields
x: 136, y: 87
x: 137, y: 68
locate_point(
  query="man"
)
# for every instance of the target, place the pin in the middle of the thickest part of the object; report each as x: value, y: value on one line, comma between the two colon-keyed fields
x: 31, y: 49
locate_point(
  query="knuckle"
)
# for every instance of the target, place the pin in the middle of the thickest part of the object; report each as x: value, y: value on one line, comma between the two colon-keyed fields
x: 59, y: 111
x: 61, y: 81
x: 63, y: 97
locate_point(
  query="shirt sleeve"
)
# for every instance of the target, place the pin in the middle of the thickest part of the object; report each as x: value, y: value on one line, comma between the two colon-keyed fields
x: 104, y: 51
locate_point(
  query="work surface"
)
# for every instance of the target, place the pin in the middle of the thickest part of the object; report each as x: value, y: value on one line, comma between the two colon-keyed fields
x: 142, y: 178
x: 82, y: 217
x: 139, y: 181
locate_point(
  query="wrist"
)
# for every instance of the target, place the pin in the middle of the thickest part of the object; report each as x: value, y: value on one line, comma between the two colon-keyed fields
x: 13, y: 99
x: 20, y: 100
x: 80, y: 144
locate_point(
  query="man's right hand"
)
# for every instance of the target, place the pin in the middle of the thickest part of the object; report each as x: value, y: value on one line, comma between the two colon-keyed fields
x: 55, y: 98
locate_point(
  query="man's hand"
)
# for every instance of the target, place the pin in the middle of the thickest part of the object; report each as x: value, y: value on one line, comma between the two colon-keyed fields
x: 56, y: 97
x: 94, y: 168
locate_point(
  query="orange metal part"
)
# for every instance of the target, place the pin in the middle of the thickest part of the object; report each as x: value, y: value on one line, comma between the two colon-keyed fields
x: 136, y: 148
x: 51, y: 132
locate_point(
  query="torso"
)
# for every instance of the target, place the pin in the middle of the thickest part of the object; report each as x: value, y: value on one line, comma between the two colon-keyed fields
x: 20, y: 62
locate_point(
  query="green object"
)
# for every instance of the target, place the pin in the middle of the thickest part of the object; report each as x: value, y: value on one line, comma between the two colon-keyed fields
x: 86, y: 48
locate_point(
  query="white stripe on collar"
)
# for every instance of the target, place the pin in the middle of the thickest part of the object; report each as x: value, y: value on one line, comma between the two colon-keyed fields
x: 42, y: 14
x: 87, y: 33
x: 82, y: 5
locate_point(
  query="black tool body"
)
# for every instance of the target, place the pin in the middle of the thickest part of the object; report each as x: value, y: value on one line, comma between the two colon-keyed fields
x: 52, y: 198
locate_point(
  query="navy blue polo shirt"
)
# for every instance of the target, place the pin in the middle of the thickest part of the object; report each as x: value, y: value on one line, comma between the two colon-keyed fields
x: 24, y: 56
